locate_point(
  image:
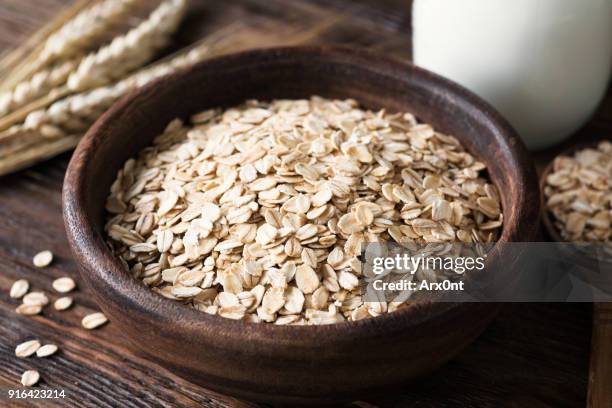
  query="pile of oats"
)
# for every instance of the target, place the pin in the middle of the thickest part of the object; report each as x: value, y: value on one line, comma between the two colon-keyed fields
x: 258, y: 212
x: 579, y: 194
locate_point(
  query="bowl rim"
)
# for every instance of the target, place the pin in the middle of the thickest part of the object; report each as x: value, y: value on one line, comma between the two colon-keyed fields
x: 90, y: 250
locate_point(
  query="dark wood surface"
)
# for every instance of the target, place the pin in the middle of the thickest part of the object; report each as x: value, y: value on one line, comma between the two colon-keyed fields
x: 601, y: 357
x: 531, y: 356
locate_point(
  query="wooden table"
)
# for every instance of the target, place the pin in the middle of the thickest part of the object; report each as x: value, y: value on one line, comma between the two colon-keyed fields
x: 533, y: 355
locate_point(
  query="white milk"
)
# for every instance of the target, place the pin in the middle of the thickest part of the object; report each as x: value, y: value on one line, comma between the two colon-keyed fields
x: 544, y: 64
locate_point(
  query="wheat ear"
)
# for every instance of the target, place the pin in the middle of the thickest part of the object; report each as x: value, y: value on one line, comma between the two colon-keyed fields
x: 60, y: 127
x: 50, y: 131
x: 130, y: 51
x: 110, y: 63
x: 28, y: 50
x: 76, y: 113
x: 37, y: 86
x: 82, y: 32
x: 125, y: 53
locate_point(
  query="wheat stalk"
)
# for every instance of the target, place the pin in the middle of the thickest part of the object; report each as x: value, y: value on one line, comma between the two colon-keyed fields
x: 40, y: 84
x: 129, y: 51
x: 84, y: 30
x: 50, y: 131
x: 31, y: 48
x: 112, y: 62
x: 74, y: 114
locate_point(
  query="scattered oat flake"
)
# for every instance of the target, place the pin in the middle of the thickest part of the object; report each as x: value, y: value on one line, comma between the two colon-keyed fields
x: 43, y: 259
x: 27, y: 348
x: 28, y: 310
x: 63, y: 303
x: 30, y: 378
x: 63, y: 285
x: 46, y: 350
x: 94, y: 320
x: 35, y: 299
x: 19, y: 288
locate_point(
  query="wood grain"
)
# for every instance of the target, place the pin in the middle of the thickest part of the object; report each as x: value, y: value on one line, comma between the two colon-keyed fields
x: 531, y: 356
x: 600, y: 378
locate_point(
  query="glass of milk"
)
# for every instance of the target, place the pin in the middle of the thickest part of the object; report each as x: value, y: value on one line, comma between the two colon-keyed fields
x: 544, y: 64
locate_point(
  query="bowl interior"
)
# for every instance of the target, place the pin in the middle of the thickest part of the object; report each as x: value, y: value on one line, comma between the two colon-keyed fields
x: 299, y: 72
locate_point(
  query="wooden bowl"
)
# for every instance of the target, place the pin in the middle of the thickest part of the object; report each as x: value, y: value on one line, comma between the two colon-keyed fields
x: 600, y: 372
x: 280, y: 364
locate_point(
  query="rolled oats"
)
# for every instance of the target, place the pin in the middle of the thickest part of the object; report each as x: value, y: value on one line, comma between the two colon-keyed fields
x: 94, y: 320
x: 30, y: 378
x: 42, y: 259
x: 28, y: 310
x: 46, y: 350
x: 578, y: 194
x: 19, y: 289
x: 63, y: 303
x: 36, y: 299
x: 258, y: 212
x: 27, y: 348
x: 64, y: 285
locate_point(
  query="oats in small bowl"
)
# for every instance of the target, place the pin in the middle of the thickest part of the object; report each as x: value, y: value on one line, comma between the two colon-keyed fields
x: 577, y: 190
